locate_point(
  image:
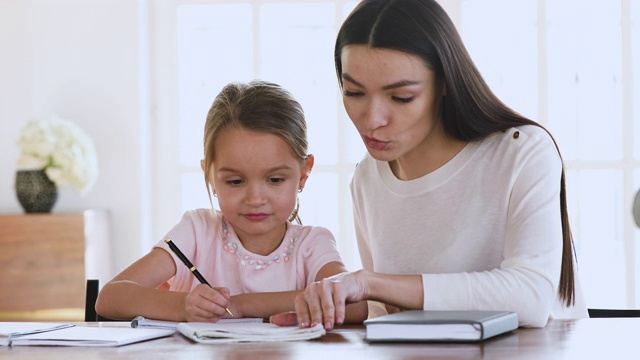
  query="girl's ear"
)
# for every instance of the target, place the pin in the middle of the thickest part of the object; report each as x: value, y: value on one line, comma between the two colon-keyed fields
x: 202, y: 164
x: 306, y: 171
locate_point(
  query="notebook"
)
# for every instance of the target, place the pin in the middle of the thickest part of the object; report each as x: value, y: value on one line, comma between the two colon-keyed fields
x: 91, y: 336
x: 441, y: 326
x: 217, y: 333
x: 11, y: 330
x: 142, y: 322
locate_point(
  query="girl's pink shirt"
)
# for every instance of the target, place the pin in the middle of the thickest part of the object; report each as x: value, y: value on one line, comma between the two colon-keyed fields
x: 219, y: 256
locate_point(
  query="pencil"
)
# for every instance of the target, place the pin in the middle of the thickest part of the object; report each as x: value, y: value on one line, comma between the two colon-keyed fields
x: 189, y: 265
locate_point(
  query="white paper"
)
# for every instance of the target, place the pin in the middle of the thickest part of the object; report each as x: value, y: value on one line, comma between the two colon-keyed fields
x: 92, y: 336
x: 215, y: 333
x: 11, y: 330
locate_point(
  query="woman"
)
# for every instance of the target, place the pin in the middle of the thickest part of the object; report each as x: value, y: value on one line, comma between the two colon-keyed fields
x: 460, y: 202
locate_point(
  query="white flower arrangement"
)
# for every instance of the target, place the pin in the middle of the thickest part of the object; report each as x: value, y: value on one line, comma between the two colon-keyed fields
x: 63, y: 150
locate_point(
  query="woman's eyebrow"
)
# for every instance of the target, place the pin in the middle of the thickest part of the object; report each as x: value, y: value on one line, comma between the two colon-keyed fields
x: 395, y: 85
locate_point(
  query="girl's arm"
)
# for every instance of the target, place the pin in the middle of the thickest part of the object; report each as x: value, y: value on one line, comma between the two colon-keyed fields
x: 268, y: 303
x: 263, y: 304
x: 134, y: 292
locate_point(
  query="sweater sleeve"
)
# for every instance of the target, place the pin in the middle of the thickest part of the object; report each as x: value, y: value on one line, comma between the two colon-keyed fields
x: 318, y: 249
x: 526, y: 280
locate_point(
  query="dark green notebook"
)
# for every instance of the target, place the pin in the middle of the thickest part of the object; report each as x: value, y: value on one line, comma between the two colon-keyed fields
x: 440, y: 326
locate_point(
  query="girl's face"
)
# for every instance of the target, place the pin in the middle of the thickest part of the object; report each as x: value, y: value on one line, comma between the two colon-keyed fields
x: 393, y: 100
x: 256, y: 178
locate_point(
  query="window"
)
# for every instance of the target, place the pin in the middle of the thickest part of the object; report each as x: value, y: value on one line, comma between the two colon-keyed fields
x: 565, y: 64
x: 289, y: 43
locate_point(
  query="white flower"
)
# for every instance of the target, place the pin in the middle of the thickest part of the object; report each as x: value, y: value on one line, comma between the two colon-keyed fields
x: 62, y: 149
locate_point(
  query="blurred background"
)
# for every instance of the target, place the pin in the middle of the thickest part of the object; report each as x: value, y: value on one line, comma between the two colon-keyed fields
x: 139, y: 77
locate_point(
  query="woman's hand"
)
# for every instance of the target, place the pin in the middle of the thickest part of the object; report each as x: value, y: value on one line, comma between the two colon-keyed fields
x: 206, y: 304
x: 324, y: 301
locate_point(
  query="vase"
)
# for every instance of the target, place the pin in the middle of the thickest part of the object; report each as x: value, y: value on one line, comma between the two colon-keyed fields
x: 35, y: 191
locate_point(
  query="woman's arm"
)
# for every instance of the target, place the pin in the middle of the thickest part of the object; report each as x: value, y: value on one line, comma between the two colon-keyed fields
x: 325, y: 301
x: 354, y: 312
x: 134, y: 292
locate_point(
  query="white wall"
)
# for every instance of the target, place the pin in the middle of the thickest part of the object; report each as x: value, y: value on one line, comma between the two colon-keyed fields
x: 80, y: 60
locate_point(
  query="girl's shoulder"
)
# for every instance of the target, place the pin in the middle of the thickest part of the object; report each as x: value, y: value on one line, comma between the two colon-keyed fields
x: 309, y: 232
x: 200, y: 220
x: 201, y: 215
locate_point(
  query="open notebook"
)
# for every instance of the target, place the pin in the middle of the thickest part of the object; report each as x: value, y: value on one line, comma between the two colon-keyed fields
x: 142, y: 322
x: 11, y: 330
x: 91, y: 336
x: 216, y: 333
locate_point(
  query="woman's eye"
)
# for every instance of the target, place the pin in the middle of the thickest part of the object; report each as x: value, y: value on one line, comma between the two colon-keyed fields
x: 276, y: 180
x: 351, y: 93
x: 403, y: 100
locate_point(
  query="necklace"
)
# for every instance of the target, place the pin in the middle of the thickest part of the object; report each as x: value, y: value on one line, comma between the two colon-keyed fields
x: 232, y: 247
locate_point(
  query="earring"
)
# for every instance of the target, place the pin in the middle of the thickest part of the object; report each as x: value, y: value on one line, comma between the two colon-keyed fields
x: 214, y: 193
x: 294, y: 214
x: 300, y: 190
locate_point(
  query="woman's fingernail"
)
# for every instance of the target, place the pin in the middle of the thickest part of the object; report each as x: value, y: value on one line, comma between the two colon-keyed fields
x: 328, y: 325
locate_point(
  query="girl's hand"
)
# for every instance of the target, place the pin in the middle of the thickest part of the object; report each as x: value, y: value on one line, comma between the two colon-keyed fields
x: 289, y: 318
x: 206, y: 304
x: 324, y: 301
x: 392, y: 309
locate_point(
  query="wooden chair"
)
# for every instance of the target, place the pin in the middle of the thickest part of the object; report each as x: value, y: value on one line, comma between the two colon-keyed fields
x: 90, y: 314
x: 611, y: 313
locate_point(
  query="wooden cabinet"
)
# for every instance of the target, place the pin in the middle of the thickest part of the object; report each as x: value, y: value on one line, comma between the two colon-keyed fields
x: 45, y: 260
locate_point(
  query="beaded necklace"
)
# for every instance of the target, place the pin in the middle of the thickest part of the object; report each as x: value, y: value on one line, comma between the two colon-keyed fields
x: 232, y: 247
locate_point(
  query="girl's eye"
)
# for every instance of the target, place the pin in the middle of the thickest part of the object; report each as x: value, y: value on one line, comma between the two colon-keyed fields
x: 403, y: 100
x: 351, y: 93
x: 234, y: 182
x: 276, y: 180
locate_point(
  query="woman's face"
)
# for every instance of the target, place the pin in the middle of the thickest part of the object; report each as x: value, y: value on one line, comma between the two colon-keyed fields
x: 393, y: 99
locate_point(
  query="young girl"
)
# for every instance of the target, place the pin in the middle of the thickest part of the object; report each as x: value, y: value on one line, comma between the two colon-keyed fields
x: 256, y: 260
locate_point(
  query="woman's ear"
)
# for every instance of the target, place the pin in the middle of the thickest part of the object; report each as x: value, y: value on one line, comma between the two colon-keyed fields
x: 306, y: 171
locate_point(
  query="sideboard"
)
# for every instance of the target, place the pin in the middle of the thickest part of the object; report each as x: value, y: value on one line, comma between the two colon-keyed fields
x: 45, y: 260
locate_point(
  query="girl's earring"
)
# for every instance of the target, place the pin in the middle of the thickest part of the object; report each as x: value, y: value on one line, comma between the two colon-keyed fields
x: 214, y: 193
x: 294, y: 214
x: 300, y: 190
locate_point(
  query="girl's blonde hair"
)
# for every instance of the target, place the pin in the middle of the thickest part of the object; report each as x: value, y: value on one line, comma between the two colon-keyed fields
x: 257, y: 106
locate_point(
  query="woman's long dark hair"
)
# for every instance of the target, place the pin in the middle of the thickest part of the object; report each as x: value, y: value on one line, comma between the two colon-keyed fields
x: 470, y: 110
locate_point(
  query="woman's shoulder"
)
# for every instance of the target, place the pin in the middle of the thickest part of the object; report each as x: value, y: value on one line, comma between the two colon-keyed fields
x: 520, y: 137
x: 527, y: 133
x: 366, y: 166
